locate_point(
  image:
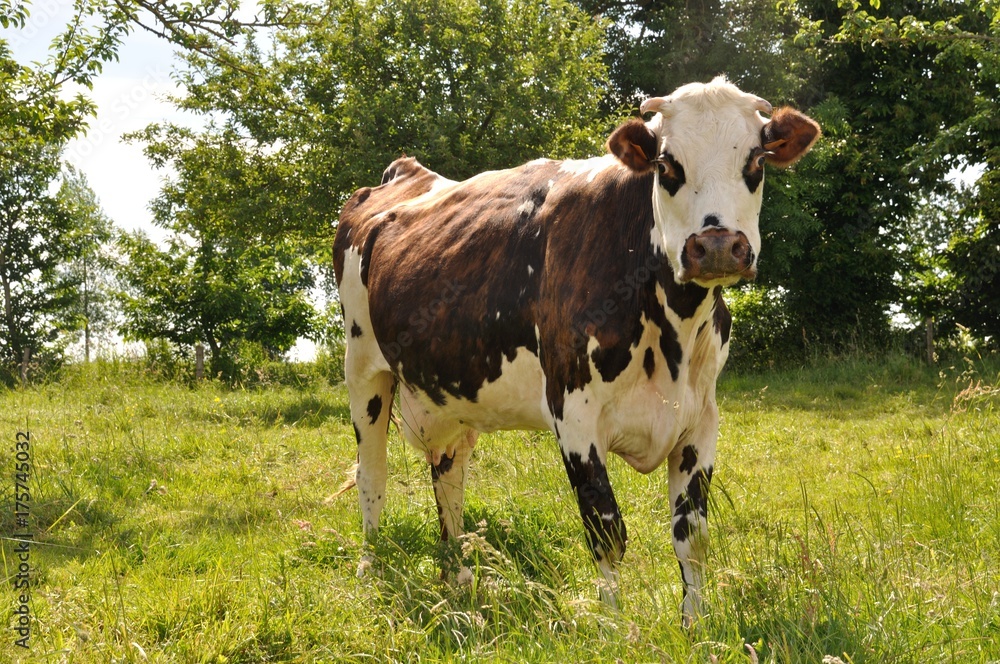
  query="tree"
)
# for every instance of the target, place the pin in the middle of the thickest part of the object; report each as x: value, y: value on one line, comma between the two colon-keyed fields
x: 928, y: 103
x: 87, y: 271
x: 887, y: 87
x: 31, y: 226
x: 464, y: 85
x: 218, y: 280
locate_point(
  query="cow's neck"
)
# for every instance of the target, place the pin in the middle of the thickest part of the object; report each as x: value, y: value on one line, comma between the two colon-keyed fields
x: 689, y: 307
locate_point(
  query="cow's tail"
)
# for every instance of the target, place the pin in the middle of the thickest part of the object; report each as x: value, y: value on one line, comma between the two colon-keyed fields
x: 349, y: 483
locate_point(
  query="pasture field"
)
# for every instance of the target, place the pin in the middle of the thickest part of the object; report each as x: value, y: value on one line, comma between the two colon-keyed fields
x: 855, y: 518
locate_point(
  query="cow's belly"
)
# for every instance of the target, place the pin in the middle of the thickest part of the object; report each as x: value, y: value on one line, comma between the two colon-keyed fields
x: 515, y: 400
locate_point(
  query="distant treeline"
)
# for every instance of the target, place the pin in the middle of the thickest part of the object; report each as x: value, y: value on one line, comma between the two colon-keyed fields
x: 887, y: 235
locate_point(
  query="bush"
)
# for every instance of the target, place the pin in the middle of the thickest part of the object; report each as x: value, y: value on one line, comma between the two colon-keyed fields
x: 762, y: 332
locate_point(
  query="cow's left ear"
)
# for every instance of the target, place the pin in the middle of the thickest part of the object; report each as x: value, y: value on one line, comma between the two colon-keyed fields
x: 634, y: 145
x: 787, y: 136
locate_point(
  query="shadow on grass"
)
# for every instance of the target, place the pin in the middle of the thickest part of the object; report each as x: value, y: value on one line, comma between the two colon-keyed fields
x: 528, y: 544
x: 288, y: 407
x: 518, y: 579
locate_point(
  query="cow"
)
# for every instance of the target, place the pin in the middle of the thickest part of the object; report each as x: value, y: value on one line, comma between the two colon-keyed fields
x: 582, y: 297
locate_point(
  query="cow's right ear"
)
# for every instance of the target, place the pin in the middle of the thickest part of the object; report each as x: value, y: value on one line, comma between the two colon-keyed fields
x: 634, y: 145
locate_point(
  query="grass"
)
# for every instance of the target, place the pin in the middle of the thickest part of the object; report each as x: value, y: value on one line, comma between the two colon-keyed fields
x: 856, y: 514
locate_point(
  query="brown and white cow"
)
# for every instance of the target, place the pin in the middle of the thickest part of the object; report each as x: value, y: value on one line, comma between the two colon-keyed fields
x: 581, y: 297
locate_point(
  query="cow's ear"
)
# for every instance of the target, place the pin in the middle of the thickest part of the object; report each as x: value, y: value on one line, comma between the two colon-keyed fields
x: 787, y: 136
x: 634, y: 145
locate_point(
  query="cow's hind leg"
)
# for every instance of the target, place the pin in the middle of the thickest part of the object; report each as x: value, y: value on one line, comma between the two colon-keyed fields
x: 690, y: 477
x: 447, y: 445
x: 448, y: 475
x: 602, y: 520
x: 371, y: 403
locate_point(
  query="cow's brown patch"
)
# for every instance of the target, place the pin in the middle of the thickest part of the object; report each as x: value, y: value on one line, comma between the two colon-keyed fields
x: 404, y: 179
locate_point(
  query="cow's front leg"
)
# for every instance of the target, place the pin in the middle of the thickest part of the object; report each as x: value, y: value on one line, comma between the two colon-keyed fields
x: 690, y: 477
x: 602, y: 519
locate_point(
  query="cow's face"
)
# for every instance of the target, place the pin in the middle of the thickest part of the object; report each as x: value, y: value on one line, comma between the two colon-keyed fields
x: 708, y: 146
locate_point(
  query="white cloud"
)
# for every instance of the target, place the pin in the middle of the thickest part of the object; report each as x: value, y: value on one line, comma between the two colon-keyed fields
x: 130, y: 94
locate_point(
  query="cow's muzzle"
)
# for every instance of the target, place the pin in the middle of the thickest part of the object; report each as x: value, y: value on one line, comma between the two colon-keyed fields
x: 716, y: 254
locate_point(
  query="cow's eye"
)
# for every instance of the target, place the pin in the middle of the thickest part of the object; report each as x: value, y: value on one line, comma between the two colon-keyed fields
x: 671, y: 173
x: 753, y: 172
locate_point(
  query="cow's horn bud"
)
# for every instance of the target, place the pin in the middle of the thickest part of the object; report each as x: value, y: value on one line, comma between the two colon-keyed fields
x: 762, y: 105
x: 654, y: 105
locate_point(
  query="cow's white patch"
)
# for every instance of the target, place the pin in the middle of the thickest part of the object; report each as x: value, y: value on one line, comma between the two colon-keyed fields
x: 526, y: 208
x: 364, y: 358
x: 515, y: 400
x: 531, y: 270
x: 589, y: 167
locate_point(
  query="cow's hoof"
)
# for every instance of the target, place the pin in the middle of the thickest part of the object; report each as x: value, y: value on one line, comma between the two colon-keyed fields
x: 691, y: 610
x: 365, y: 566
x: 464, y: 576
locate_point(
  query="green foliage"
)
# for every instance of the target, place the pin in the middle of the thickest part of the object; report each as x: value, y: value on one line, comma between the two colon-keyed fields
x: 763, y: 335
x: 919, y: 80
x: 974, y: 260
x: 654, y: 47
x: 214, y: 289
x: 464, y: 85
x: 853, y: 514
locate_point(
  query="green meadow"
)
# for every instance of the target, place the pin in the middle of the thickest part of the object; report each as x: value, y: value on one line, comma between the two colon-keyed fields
x: 855, y: 518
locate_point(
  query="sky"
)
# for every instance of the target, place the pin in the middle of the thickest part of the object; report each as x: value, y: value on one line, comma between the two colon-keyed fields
x: 130, y: 94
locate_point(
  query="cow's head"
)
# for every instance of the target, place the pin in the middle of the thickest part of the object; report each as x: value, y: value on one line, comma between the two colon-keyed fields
x: 707, y: 146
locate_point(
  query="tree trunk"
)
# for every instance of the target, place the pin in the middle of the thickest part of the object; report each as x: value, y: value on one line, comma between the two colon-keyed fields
x: 25, y: 359
x: 86, y: 312
x: 199, y: 360
x: 929, y: 327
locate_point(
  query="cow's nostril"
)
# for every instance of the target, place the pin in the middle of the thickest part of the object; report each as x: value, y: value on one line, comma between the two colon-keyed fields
x: 698, y: 250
